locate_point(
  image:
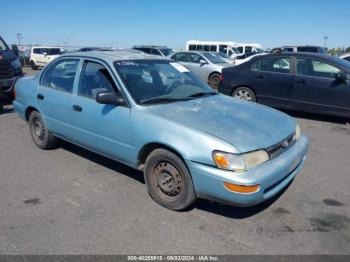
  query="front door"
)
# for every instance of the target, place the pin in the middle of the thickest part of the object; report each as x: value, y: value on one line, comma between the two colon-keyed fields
x: 103, y: 128
x: 54, y: 95
x: 316, y: 88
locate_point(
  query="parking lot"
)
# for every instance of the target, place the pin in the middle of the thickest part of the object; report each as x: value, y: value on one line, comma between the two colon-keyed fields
x: 71, y: 201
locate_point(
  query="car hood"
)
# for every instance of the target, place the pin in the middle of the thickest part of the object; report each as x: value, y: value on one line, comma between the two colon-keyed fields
x: 244, y: 125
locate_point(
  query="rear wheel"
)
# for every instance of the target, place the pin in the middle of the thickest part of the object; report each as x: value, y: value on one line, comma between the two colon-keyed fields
x: 214, y: 80
x: 168, y: 180
x: 244, y: 93
x: 40, y: 135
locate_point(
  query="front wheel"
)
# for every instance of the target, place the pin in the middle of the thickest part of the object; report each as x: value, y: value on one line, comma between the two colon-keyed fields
x: 214, y: 80
x: 168, y: 180
x: 244, y: 93
x: 40, y: 135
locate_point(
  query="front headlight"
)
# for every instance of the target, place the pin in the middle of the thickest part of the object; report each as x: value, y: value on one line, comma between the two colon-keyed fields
x: 239, y: 162
x: 297, y: 132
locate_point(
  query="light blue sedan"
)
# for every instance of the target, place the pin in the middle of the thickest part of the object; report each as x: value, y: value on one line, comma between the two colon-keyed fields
x: 154, y: 115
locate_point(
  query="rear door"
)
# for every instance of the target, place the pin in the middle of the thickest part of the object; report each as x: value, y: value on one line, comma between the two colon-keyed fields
x: 54, y: 95
x: 272, y: 80
x: 317, y: 90
x: 103, y: 128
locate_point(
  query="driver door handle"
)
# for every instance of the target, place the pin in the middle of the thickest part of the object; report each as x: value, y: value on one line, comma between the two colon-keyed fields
x: 40, y: 96
x: 259, y: 76
x: 77, y: 108
x: 301, y: 82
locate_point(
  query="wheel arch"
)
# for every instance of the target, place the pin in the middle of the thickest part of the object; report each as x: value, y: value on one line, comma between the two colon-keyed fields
x: 28, y: 111
x: 212, y: 73
x: 147, y: 149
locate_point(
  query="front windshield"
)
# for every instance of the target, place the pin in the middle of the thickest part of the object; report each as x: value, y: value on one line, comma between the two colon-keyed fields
x: 2, y: 45
x: 214, y: 58
x: 222, y: 55
x: 166, y: 51
x: 54, y: 51
x: 159, y: 81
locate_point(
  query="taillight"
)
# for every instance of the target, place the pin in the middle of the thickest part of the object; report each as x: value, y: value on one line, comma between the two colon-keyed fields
x: 221, y: 78
x: 14, y: 92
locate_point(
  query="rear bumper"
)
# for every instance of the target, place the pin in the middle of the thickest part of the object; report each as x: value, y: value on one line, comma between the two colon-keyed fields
x: 272, y: 176
x: 7, y: 85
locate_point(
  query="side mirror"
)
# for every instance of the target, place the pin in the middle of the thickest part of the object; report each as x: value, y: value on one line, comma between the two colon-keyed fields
x: 109, y: 98
x: 45, y: 54
x: 341, y: 77
x: 203, y: 62
x: 14, y: 49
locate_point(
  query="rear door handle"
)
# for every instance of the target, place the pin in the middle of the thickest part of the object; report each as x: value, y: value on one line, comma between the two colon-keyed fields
x: 40, y: 96
x: 301, y: 82
x: 259, y: 77
x: 77, y: 108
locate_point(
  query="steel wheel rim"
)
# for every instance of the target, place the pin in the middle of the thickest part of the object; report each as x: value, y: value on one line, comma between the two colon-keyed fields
x: 38, y: 129
x: 244, y: 95
x: 168, y: 180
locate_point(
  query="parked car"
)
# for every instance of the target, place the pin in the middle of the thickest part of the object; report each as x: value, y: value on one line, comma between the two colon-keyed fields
x: 10, y: 68
x: 41, y: 55
x: 345, y: 56
x: 311, y: 82
x: 242, y: 59
x: 24, y: 57
x: 87, y: 49
x: 154, y: 115
x: 224, y: 57
x: 154, y: 50
x: 306, y: 48
x: 205, y: 65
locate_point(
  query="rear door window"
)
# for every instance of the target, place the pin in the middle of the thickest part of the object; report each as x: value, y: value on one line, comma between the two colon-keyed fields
x: 181, y: 57
x: 61, y: 75
x: 272, y: 64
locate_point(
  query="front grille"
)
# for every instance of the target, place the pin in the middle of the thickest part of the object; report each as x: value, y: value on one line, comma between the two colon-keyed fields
x: 5, y: 72
x: 280, y: 147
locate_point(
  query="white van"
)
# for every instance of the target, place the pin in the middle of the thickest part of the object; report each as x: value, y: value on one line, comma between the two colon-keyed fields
x: 232, y: 49
x: 41, y: 55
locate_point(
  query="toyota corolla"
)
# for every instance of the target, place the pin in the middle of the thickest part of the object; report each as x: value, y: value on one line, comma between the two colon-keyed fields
x: 154, y: 115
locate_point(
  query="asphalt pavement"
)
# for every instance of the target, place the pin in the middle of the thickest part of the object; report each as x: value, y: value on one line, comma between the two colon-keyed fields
x: 71, y: 201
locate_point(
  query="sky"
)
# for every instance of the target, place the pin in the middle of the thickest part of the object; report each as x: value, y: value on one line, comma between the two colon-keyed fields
x: 118, y: 23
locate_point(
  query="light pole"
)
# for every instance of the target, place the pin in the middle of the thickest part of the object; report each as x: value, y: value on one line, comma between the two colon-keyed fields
x: 19, y: 38
x: 324, y: 41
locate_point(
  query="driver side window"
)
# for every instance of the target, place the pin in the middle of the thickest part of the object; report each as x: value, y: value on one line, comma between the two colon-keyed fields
x: 195, y: 58
x: 95, y: 79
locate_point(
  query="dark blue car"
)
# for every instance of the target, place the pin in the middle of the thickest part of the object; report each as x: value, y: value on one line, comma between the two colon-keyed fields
x: 309, y: 82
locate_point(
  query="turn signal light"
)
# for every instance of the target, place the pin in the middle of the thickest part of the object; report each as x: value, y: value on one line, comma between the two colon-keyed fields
x: 241, y: 189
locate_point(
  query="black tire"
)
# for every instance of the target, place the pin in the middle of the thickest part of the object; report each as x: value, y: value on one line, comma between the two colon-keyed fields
x: 33, y: 65
x: 244, y: 93
x: 214, y: 80
x: 38, y: 130
x: 168, y: 180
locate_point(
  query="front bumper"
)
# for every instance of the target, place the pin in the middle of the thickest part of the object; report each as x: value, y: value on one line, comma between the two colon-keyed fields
x: 272, y: 176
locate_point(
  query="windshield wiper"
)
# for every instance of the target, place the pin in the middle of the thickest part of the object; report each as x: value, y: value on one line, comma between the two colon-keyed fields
x: 202, y: 94
x: 155, y: 100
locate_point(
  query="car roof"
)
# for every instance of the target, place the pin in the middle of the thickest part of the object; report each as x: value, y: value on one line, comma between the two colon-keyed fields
x: 115, y: 55
x: 304, y: 54
x: 149, y: 46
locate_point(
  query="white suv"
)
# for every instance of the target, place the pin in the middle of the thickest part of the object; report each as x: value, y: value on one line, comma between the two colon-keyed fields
x: 41, y: 55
